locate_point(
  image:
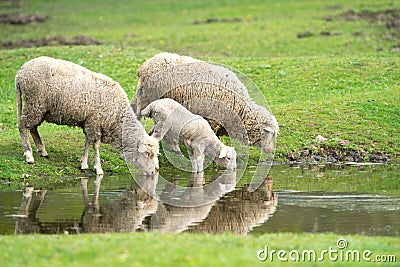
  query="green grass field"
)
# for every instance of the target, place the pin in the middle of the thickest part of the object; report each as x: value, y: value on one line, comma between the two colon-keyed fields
x: 341, y: 85
x: 156, y: 249
x: 322, y: 69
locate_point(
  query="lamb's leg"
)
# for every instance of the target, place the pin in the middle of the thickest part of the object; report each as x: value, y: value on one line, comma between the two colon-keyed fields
x: 157, y: 131
x: 38, y: 142
x: 85, y: 155
x: 200, y: 160
x: 197, y: 159
x: 97, y: 163
x: 173, y: 145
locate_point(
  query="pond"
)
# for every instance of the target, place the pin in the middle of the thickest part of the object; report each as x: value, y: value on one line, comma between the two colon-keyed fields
x: 345, y: 199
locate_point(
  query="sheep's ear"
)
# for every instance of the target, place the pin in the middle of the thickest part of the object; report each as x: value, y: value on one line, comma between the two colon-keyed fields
x: 269, y: 130
x: 223, y: 152
x: 142, y: 148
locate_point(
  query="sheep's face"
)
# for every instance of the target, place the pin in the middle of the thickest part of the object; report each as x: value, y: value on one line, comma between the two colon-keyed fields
x: 227, y: 158
x: 269, y: 128
x: 147, y: 159
x: 268, y: 137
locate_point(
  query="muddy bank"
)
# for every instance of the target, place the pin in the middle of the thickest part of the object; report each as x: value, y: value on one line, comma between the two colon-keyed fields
x: 326, y: 154
x: 50, y: 41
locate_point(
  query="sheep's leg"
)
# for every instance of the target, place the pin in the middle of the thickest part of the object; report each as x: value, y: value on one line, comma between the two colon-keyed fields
x: 173, y: 145
x: 97, y: 163
x: 157, y: 132
x: 85, y: 155
x: 26, y: 145
x: 197, y: 159
x: 37, y: 203
x: 85, y: 195
x: 200, y: 161
x: 38, y: 142
x: 24, y: 133
x: 97, y: 184
x: 22, y: 222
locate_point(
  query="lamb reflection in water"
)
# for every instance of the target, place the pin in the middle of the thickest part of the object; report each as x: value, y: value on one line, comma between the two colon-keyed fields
x: 215, y: 207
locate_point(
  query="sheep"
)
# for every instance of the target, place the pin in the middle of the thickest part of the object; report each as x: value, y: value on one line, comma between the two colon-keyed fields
x: 124, y: 214
x: 213, y: 92
x: 240, y: 217
x: 65, y: 93
x: 178, y: 211
x: 173, y: 121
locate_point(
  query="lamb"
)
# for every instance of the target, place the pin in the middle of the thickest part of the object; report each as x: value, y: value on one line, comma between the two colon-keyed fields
x: 64, y: 93
x: 213, y: 92
x: 173, y: 121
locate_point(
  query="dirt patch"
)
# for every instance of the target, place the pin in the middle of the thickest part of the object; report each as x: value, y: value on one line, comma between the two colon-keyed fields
x: 325, y: 154
x: 50, y: 41
x: 388, y: 17
x: 217, y: 20
x: 19, y: 19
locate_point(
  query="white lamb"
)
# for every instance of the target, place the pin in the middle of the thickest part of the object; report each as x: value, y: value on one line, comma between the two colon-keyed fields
x: 172, y: 121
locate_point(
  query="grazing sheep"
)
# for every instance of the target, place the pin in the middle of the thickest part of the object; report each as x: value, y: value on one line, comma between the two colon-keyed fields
x: 173, y: 121
x: 213, y: 92
x: 64, y: 93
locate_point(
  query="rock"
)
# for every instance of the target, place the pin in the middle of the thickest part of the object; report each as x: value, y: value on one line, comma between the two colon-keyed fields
x: 320, y: 138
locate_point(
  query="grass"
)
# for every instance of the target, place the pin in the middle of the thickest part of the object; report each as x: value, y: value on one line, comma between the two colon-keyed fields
x: 344, y: 86
x: 262, y: 28
x: 353, y: 98
x: 155, y: 249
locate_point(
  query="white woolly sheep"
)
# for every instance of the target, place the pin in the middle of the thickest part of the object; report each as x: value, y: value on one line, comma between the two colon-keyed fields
x: 213, y: 92
x: 65, y: 93
x: 173, y: 121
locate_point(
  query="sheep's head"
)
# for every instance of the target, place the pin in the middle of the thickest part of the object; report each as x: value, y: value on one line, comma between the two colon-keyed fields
x: 269, y: 130
x: 227, y: 157
x: 147, y: 160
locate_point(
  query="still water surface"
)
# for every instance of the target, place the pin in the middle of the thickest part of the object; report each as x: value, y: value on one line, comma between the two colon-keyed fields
x: 343, y: 199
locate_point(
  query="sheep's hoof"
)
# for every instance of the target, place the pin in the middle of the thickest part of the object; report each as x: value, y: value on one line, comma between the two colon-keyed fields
x: 179, y: 153
x: 99, y: 170
x: 45, y: 156
x: 31, y: 162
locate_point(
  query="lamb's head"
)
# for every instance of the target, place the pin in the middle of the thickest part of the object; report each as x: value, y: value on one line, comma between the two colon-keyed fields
x: 269, y: 128
x: 227, y: 157
x: 147, y: 157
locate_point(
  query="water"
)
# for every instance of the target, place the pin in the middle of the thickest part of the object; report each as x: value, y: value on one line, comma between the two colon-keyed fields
x: 343, y: 199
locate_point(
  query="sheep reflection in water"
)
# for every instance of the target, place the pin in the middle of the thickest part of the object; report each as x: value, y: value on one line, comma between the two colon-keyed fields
x: 214, y: 207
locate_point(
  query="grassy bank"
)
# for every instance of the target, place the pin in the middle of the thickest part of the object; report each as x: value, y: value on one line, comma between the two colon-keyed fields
x: 154, y: 249
x: 329, y: 69
x: 352, y: 100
